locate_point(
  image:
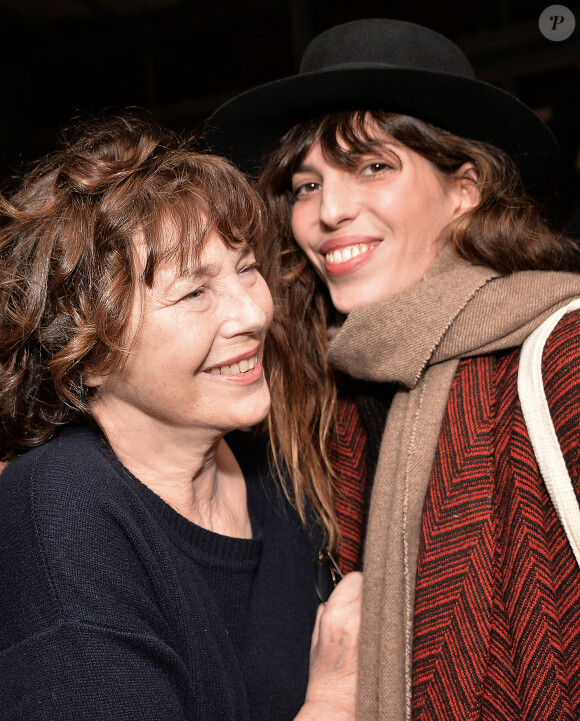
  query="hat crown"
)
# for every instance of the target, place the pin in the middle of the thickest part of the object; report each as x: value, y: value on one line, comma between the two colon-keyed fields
x: 387, y: 43
x: 389, y: 65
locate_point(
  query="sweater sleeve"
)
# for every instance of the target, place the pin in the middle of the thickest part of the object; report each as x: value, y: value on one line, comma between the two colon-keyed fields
x: 77, y: 671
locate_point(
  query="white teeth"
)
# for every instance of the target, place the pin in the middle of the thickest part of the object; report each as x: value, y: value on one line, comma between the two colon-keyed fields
x: 234, y: 369
x: 344, y: 254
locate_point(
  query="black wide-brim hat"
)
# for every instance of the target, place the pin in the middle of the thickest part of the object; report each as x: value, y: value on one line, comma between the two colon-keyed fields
x: 389, y: 65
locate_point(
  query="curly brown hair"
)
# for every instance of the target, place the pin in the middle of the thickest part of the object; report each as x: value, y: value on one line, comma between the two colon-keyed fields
x: 505, y: 231
x: 68, y: 269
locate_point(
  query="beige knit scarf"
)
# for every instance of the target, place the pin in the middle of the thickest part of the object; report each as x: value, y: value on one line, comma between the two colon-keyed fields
x: 416, y: 339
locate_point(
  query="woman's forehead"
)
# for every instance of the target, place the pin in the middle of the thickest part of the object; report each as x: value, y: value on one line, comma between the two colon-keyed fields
x: 181, y: 249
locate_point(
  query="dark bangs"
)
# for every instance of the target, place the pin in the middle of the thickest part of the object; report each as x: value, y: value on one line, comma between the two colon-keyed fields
x: 344, y: 138
x: 347, y: 136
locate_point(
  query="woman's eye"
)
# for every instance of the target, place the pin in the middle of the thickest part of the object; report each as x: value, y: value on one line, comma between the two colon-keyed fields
x: 249, y: 273
x: 305, y: 189
x: 250, y: 267
x: 375, y: 168
x: 194, y: 295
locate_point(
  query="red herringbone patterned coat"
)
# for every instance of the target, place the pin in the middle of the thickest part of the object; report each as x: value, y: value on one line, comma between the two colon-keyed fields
x: 347, y: 453
x: 497, y: 611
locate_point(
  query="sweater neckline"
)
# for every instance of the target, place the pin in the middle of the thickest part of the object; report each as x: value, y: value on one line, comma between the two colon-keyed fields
x: 204, y: 546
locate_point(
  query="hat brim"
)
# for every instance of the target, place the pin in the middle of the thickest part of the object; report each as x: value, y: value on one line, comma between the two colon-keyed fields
x: 246, y: 127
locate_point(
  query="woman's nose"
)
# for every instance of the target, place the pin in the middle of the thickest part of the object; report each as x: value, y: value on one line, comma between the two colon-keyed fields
x: 250, y: 309
x: 338, y: 201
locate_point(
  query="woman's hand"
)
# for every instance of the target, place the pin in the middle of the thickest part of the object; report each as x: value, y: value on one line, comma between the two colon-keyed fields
x: 332, y: 683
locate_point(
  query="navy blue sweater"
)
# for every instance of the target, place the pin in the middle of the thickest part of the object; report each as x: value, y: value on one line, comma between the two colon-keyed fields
x: 114, y: 606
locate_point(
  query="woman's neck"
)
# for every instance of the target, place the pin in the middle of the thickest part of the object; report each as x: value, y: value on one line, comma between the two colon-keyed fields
x: 193, y: 470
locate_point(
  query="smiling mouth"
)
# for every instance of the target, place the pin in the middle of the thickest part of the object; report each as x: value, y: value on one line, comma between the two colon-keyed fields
x: 243, y: 366
x: 342, y: 255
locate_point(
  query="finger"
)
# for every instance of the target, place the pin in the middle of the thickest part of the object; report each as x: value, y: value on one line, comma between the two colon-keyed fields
x: 316, y: 631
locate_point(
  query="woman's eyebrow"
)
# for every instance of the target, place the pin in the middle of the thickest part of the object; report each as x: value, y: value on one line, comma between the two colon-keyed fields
x: 304, y: 168
x: 210, y: 269
x: 245, y: 250
x: 198, y: 271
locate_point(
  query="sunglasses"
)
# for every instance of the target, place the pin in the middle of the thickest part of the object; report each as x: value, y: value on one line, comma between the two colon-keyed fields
x: 328, y: 574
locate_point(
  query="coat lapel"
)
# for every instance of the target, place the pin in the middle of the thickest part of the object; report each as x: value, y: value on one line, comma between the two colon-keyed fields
x: 455, y: 568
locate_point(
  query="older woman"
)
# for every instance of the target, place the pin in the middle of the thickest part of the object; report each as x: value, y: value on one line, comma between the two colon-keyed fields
x: 149, y: 567
x: 400, y: 179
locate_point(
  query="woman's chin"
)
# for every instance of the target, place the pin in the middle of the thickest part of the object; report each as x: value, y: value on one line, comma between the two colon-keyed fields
x: 345, y: 302
x: 249, y: 417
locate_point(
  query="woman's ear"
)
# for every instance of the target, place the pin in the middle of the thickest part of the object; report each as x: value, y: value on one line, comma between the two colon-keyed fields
x: 467, y: 178
x: 93, y: 380
x: 99, y: 377
x: 95, y: 377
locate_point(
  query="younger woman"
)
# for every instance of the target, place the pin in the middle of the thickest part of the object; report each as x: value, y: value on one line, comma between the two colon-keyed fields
x: 412, y: 259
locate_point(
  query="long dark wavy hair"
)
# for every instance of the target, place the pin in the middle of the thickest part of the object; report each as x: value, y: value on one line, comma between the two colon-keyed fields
x: 68, y: 269
x: 505, y: 231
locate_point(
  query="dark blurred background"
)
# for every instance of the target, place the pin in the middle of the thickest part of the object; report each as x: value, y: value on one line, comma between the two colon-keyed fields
x: 182, y: 58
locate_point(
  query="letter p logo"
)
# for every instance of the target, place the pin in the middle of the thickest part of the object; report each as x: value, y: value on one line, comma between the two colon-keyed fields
x: 557, y: 22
